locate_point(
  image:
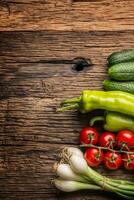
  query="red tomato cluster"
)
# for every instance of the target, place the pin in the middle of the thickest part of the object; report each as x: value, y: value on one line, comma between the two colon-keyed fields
x: 113, y: 144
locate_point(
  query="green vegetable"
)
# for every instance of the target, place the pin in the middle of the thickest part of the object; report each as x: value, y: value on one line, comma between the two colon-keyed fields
x: 71, y: 186
x: 122, y: 71
x: 64, y: 171
x: 121, y: 56
x: 78, y: 168
x: 114, y: 121
x: 120, y: 86
x: 118, y: 101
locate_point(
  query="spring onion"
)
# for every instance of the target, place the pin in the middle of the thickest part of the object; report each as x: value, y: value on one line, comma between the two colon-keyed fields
x: 71, y: 186
x: 64, y: 171
x: 78, y: 164
x: 71, y: 151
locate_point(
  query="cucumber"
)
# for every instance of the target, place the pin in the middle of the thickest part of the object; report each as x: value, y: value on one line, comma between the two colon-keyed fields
x: 122, y: 71
x: 121, y: 56
x: 121, y: 86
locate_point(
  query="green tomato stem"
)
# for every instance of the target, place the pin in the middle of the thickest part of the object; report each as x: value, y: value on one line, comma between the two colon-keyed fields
x: 105, y: 148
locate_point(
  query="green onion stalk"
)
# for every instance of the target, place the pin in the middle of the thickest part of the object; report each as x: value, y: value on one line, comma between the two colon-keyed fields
x: 74, y: 174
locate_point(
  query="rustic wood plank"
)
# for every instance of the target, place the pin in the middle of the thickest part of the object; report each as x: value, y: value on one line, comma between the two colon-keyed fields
x: 57, y: 196
x: 27, y: 120
x: 67, y: 15
x: 47, y: 87
x: 47, y: 46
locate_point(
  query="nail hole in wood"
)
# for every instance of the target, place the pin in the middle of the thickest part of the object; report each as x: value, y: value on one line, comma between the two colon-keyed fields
x: 80, y: 64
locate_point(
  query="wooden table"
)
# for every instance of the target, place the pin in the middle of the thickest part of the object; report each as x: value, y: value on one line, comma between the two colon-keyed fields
x: 39, y: 40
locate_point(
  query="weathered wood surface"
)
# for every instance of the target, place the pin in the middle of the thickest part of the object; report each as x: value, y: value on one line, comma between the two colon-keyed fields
x: 67, y: 15
x: 35, y: 77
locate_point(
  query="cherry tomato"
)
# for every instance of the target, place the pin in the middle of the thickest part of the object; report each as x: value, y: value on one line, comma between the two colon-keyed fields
x: 112, y: 160
x: 107, y: 139
x: 128, y: 161
x: 89, y: 135
x: 94, y: 156
x: 125, y: 139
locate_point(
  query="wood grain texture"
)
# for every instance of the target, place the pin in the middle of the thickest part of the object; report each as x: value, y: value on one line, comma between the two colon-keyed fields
x: 45, y: 46
x: 39, y: 40
x: 67, y: 15
x: 32, y: 133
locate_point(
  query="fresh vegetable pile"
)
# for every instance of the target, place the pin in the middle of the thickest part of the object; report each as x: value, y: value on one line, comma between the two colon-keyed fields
x: 115, y: 146
x: 74, y: 174
x: 113, y: 150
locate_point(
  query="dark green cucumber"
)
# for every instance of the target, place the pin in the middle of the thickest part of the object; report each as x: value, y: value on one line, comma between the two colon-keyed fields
x: 121, y: 56
x: 122, y: 71
x: 121, y: 86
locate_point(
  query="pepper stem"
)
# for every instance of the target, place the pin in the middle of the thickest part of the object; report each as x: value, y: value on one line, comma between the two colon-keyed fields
x: 70, y: 101
x: 68, y: 107
x: 69, y: 104
x: 97, y: 118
